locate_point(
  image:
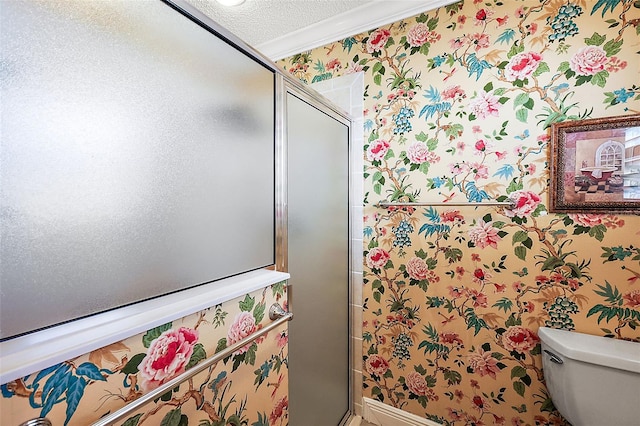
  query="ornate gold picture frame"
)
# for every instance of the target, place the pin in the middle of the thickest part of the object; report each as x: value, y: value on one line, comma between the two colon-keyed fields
x: 595, y: 166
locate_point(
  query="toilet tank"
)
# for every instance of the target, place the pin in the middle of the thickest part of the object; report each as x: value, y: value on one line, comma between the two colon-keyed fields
x: 592, y: 380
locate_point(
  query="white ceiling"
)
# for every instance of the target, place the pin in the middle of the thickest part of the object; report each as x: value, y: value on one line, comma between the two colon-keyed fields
x: 280, y: 28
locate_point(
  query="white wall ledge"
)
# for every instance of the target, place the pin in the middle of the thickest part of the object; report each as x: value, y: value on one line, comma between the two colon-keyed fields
x: 33, y: 352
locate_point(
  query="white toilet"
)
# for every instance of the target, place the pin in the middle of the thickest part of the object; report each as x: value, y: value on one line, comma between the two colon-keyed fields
x: 593, y: 381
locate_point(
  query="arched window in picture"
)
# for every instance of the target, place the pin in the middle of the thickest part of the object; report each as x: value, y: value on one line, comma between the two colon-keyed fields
x: 611, y: 154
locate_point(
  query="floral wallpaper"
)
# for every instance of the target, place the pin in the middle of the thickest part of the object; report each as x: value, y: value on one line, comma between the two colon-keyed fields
x: 247, y: 388
x: 458, y: 106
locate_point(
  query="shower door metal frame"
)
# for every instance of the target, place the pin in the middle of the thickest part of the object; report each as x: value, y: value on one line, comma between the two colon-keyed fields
x: 285, y: 85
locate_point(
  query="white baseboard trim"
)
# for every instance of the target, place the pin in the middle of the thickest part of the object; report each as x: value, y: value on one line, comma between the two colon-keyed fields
x: 385, y: 415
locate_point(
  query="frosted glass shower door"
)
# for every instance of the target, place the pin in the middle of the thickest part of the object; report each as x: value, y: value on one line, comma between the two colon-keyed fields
x: 136, y: 158
x: 318, y: 256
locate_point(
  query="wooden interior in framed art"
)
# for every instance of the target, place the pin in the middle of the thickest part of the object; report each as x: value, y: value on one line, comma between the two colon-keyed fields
x: 595, y: 165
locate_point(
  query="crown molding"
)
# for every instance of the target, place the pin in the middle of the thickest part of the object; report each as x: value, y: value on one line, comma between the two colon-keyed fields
x: 357, y: 20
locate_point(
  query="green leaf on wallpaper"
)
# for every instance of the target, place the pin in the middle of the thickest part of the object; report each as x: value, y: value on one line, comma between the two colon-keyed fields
x: 172, y: 418
x: 424, y: 49
x: 542, y: 68
x: 519, y: 388
x: 522, y: 115
x: 154, y: 333
x: 132, y: 366
x: 247, y: 304
x: 453, y: 131
x: 377, y: 188
x: 598, y: 231
x: 519, y: 236
x: 612, y: 47
x: 222, y: 344
x: 600, y: 79
x: 514, y: 186
x: 133, y: 421
x: 518, y: 372
x: 377, y: 79
x: 258, y: 312
x: 389, y: 154
x: 595, y: 40
x: 421, y: 137
x: 488, y: 87
x: 378, y: 68
x: 424, y: 168
x: 198, y: 355
x: 520, y: 252
x: 521, y: 99
x: 505, y: 304
x: 452, y: 376
x: 515, y: 49
x: 564, y: 66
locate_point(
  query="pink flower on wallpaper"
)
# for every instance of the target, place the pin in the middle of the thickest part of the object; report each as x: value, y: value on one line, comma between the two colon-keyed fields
x: 334, y: 64
x: 478, y: 298
x: 522, y: 66
x: 480, y: 171
x: 416, y: 383
x: 282, y: 339
x: 376, y: 365
x: 167, y: 357
x: 452, y: 339
x: 482, y: 16
x: 377, y: 258
x: 480, y: 41
x: 419, y: 34
x: 417, y: 269
x: 586, y: 219
x: 453, y: 92
x: 279, y: 409
x: 632, y: 298
x: 615, y: 64
x: 589, y: 60
x: 353, y: 67
x: 526, y: 203
x: 480, y: 146
x: 456, y: 43
x: 519, y: 339
x: 484, y: 105
x: 243, y: 325
x: 418, y: 153
x: 484, y: 235
x: 480, y: 403
x: 377, y: 40
x: 484, y: 364
x: 377, y: 149
x: 452, y: 216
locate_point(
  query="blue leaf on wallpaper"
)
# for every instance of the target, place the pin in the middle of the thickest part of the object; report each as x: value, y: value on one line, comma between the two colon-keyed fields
x: 60, y: 376
x: 46, y: 372
x: 367, y: 231
x: 90, y: 371
x: 505, y: 171
x: 57, y: 385
x: 474, y: 194
x: 74, y: 395
x: 432, y: 214
x: 368, y: 125
x: 430, y: 110
x: 506, y: 37
x: 348, y: 43
x: 608, y: 4
x: 430, y: 228
x: 476, y: 66
x: 432, y: 94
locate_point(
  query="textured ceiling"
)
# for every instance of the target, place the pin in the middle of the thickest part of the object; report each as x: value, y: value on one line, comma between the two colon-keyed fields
x: 259, y: 21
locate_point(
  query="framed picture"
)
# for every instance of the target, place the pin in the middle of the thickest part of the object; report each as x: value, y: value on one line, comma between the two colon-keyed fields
x: 595, y: 166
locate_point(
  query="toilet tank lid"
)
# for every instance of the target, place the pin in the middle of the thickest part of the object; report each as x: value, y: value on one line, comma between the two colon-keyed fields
x: 615, y: 353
